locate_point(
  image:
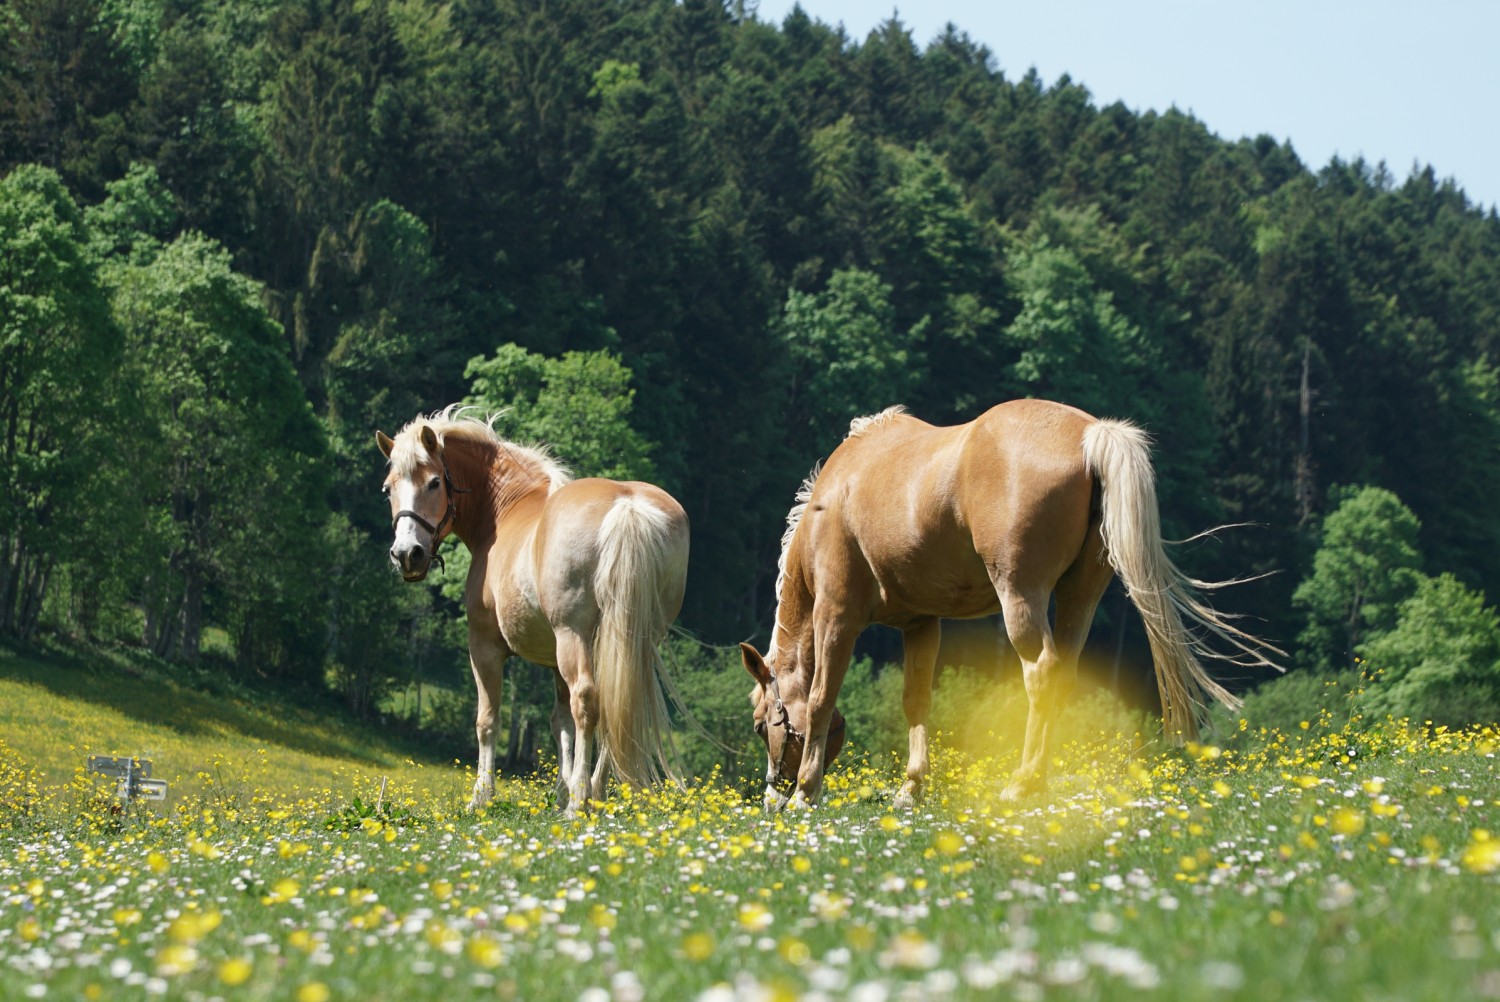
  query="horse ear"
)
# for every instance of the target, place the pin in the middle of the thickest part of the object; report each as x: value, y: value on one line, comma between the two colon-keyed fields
x: 384, y: 442
x: 755, y: 664
x: 430, y: 441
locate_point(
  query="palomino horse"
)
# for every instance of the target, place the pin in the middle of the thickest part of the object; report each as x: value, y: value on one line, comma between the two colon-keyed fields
x: 582, y: 575
x: 908, y: 522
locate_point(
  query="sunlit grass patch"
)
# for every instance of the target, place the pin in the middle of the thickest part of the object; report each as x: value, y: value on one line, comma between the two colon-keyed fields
x: 1328, y: 862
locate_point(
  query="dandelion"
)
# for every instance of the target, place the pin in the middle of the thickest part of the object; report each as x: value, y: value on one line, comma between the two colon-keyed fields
x: 697, y: 946
x: 1347, y: 821
x: 755, y: 917
x: 1482, y: 854
x: 313, y: 991
x: 485, y: 951
x: 235, y: 971
x: 948, y: 843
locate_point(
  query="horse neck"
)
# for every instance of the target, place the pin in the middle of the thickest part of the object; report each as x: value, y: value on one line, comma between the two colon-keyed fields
x: 494, y: 482
x: 793, y: 638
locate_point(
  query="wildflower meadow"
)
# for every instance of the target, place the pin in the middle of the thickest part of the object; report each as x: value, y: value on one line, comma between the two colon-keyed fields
x: 1332, y: 862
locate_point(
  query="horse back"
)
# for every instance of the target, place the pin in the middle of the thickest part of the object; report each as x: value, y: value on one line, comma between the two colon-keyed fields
x: 931, y: 516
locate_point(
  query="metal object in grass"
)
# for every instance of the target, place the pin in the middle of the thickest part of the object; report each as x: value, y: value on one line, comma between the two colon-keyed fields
x: 134, y: 775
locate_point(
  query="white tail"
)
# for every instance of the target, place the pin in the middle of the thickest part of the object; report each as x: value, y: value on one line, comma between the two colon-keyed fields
x: 638, y: 558
x: 1118, y: 454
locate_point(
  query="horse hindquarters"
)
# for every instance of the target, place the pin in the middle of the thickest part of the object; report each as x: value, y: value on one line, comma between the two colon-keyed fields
x: 638, y: 584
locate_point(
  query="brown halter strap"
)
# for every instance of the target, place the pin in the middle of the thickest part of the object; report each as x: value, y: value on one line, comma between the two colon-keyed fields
x: 436, y: 530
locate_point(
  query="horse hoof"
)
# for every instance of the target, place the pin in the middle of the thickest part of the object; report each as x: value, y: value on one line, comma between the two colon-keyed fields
x: 1019, y: 790
x: 906, y: 800
x: 799, y: 802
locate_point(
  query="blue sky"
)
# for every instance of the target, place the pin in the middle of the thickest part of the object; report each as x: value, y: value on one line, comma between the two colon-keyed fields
x: 1403, y: 82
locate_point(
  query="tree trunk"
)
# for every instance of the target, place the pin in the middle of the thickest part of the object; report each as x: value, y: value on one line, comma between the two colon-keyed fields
x: 513, y: 740
x: 192, y: 616
x: 8, y: 572
x: 34, y: 597
x: 1304, y: 474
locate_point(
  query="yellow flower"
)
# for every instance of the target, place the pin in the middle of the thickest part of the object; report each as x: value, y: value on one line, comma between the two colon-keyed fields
x: 1347, y: 821
x: 486, y: 951
x: 191, y: 926
x: 1483, y: 853
x: 755, y: 916
x: 235, y: 971
x: 794, y: 951
x: 949, y: 843
x: 697, y: 946
x: 313, y: 991
x: 177, y: 958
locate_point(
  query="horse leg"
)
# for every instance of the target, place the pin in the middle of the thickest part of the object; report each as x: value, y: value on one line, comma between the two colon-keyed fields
x: 920, y: 644
x: 575, y: 665
x: 562, y: 733
x: 487, y: 660
x: 596, y: 785
x: 1048, y: 678
x: 834, y: 634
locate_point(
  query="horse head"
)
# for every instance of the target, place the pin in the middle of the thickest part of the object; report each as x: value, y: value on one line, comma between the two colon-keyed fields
x: 422, y: 498
x: 781, y: 721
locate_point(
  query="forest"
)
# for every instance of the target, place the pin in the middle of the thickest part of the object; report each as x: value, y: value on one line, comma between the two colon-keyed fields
x: 680, y: 244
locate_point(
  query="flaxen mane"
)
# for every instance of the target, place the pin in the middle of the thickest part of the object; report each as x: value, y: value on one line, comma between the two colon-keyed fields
x: 859, y: 426
x: 455, y: 422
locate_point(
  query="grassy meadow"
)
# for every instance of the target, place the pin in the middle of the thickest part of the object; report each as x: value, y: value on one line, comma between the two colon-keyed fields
x: 1328, y: 863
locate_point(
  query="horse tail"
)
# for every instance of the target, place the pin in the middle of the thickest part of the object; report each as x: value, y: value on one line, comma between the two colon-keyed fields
x: 641, y: 554
x: 1118, y: 455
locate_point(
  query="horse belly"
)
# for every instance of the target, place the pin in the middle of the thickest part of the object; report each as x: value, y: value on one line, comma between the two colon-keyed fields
x: 528, y: 634
x: 938, y: 576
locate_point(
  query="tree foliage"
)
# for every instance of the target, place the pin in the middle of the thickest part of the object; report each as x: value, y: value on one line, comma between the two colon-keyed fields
x: 1367, y: 565
x: 1440, y: 662
x: 683, y: 244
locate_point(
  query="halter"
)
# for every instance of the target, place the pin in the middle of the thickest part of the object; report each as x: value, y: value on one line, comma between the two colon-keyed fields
x: 448, y: 516
x: 783, y: 720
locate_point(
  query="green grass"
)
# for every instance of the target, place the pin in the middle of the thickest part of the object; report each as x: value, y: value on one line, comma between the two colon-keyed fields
x: 59, y: 706
x: 1330, y: 865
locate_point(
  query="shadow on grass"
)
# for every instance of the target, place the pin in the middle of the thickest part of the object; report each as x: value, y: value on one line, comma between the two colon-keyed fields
x: 148, y: 694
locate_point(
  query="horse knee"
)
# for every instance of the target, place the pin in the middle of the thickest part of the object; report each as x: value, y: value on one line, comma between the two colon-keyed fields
x: 1049, y: 679
x: 485, y: 727
x: 584, y: 702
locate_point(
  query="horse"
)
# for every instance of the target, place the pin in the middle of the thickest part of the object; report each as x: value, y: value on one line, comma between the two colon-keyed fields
x: 908, y: 523
x: 584, y: 576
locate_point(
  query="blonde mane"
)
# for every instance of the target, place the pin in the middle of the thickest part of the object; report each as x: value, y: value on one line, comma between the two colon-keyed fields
x: 870, y: 422
x: 859, y: 426
x: 456, y: 422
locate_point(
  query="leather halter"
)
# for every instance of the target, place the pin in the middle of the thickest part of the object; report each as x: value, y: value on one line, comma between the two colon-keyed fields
x: 783, y: 719
x: 447, y: 519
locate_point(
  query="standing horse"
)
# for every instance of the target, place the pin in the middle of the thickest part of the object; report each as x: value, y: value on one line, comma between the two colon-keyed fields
x: 581, y: 575
x: 908, y: 523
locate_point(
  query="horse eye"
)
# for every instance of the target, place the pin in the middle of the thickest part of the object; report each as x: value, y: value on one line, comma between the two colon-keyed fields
x: 385, y: 490
x: 432, y: 484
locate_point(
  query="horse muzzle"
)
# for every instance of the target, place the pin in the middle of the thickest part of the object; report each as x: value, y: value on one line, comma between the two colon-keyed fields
x: 412, y: 561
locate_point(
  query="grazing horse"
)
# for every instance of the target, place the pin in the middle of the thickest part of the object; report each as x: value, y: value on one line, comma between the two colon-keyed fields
x: 581, y: 575
x: 908, y: 523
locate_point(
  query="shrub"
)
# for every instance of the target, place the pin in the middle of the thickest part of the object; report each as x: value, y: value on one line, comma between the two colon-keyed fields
x: 1442, y: 661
